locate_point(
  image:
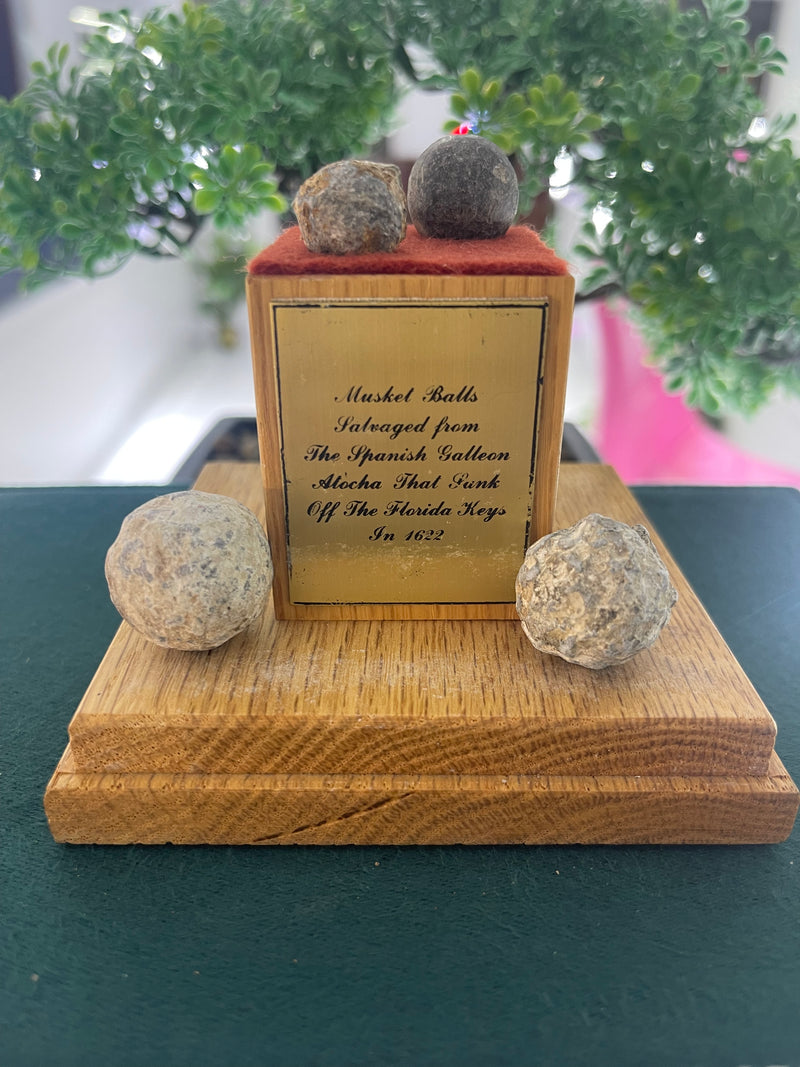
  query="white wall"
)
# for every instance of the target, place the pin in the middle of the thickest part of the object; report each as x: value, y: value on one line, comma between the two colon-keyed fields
x: 774, y: 432
x: 80, y: 360
x: 783, y: 93
x: 38, y: 23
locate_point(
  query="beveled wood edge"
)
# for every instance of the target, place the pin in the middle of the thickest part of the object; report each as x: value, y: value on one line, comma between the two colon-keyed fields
x: 777, y: 780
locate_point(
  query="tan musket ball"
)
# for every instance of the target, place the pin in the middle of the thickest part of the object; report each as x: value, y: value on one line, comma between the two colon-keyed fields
x: 595, y: 594
x: 190, y: 570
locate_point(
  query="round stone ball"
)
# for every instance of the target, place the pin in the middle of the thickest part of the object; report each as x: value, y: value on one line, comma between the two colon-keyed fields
x: 190, y: 570
x: 595, y: 594
x: 462, y: 187
x: 351, y: 207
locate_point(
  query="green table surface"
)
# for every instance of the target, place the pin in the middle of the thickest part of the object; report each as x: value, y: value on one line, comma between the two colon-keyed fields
x: 229, y: 957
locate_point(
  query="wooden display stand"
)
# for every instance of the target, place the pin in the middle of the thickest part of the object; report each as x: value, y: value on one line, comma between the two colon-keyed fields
x: 410, y: 428
x: 424, y: 732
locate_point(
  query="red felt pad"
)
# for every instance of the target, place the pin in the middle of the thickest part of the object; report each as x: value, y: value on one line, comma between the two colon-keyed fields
x: 520, y: 251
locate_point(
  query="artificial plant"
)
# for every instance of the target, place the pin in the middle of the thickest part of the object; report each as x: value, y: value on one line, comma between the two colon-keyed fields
x: 218, y: 111
x: 692, y: 198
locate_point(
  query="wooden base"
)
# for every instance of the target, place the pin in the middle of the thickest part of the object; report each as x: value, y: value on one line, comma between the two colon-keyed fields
x: 361, y: 809
x: 423, y: 732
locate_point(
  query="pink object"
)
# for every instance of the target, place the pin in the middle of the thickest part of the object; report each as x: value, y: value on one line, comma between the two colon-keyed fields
x: 651, y: 436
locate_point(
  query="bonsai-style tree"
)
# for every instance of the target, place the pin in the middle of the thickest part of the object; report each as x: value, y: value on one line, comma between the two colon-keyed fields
x: 221, y: 110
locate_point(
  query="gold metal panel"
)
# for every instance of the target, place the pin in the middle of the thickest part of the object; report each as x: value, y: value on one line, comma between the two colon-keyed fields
x: 408, y: 434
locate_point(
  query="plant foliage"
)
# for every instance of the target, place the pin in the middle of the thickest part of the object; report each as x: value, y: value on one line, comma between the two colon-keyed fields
x: 177, y: 116
x: 219, y: 111
x: 693, y: 202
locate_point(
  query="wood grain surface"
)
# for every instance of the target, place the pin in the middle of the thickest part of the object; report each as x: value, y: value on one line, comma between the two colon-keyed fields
x: 425, y: 697
x: 355, y: 732
x: 263, y: 291
x: 284, y: 809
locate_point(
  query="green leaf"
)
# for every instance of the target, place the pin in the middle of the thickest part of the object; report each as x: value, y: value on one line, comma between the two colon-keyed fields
x: 736, y: 7
x: 43, y: 134
x: 504, y: 141
x: 491, y: 90
x: 124, y: 124
x: 631, y: 130
x: 275, y: 203
x: 251, y: 157
x: 689, y: 85
x: 537, y: 100
x: 590, y: 123
x: 269, y: 81
x: 639, y: 291
x: 157, y: 168
x: 229, y: 162
x: 29, y: 260
x: 71, y: 231
x: 570, y: 103
x: 470, y: 81
x: 207, y: 200
x: 681, y: 167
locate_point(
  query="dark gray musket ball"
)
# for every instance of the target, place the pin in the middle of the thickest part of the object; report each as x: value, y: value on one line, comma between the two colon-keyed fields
x: 462, y: 187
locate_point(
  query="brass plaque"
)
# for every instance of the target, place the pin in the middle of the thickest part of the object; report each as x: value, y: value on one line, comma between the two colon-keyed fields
x: 408, y: 434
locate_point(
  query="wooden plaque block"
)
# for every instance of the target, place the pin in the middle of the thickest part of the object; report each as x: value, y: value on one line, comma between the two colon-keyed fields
x: 410, y: 430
